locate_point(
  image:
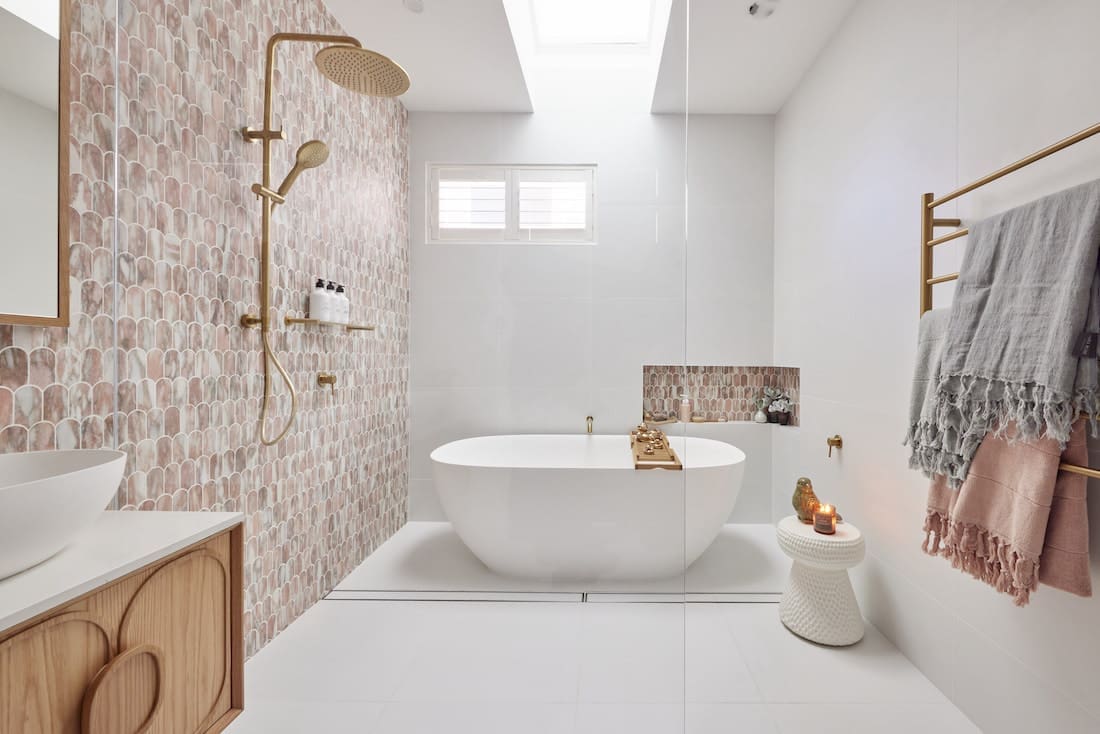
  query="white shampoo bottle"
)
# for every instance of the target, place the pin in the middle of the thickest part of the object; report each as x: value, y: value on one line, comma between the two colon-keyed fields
x: 343, y: 310
x: 318, y: 302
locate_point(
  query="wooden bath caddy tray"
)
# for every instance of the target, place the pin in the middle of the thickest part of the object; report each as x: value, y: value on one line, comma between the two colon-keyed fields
x: 652, y: 451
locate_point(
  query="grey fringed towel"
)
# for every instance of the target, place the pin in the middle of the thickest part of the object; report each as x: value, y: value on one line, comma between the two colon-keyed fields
x: 1020, y: 344
x: 925, y: 439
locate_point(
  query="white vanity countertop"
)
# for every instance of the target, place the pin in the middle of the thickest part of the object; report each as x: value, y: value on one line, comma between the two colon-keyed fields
x: 118, y: 543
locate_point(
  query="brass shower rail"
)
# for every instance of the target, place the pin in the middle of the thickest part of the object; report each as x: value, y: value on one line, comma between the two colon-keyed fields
x: 928, y: 239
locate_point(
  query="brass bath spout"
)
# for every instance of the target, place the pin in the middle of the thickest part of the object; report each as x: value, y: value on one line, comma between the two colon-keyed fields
x: 588, y: 423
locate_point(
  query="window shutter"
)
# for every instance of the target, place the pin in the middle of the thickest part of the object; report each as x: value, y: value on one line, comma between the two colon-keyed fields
x: 512, y: 204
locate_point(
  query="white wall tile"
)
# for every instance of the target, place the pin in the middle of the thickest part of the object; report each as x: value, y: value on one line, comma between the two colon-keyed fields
x: 547, y: 343
x: 876, y: 122
x: 575, y: 324
x: 754, y: 501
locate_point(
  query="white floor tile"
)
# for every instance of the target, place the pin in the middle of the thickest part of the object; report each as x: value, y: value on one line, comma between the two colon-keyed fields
x: 724, y: 718
x: 630, y: 718
x: 402, y: 667
x: 714, y: 668
x: 694, y: 718
x: 428, y: 556
x: 474, y: 718
x: 744, y: 559
x: 266, y: 716
x: 505, y: 652
x: 515, y: 596
x: 788, y: 669
x: 896, y: 718
x: 632, y: 653
x: 339, y: 651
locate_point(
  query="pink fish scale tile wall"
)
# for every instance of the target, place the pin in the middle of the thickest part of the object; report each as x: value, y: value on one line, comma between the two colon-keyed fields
x: 716, y: 391
x: 189, y: 378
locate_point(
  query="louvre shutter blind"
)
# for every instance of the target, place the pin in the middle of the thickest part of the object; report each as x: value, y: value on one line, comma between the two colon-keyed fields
x: 546, y: 204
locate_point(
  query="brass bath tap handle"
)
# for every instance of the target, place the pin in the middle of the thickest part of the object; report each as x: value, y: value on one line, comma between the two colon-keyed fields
x: 588, y: 421
x: 834, y: 442
x: 327, y: 378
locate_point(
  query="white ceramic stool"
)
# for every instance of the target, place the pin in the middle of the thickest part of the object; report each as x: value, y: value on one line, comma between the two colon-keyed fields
x: 818, y: 603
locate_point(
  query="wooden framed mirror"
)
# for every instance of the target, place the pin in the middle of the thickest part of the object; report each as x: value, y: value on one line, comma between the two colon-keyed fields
x: 34, y: 162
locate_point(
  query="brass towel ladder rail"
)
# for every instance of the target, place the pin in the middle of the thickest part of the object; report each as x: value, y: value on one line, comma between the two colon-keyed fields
x: 929, y: 222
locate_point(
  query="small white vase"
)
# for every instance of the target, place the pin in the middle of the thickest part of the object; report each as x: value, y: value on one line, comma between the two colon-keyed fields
x: 760, y: 417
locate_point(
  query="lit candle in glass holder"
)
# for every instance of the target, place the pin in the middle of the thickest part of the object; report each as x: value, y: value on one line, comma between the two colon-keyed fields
x: 825, y: 519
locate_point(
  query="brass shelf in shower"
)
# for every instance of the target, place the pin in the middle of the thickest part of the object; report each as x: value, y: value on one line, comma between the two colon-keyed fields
x: 292, y: 321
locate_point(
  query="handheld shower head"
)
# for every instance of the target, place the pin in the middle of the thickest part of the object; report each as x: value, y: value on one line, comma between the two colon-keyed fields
x: 310, y: 155
x: 363, y: 71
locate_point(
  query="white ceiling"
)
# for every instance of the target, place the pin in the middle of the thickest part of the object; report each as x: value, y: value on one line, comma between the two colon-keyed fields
x: 462, y: 57
x: 737, y: 63
x: 459, y: 53
x: 28, y: 61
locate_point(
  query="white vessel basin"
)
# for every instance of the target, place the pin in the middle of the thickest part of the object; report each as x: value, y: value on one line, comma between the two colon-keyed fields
x: 48, y: 497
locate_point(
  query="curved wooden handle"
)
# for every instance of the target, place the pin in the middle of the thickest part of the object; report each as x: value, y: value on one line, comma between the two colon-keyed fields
x: 87, y: 724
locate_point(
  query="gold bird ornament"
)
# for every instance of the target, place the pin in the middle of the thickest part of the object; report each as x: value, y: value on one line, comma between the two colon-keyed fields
x: 805, y: 501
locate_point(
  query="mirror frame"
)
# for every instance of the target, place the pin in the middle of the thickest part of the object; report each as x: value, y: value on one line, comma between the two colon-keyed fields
x: 62, y: 318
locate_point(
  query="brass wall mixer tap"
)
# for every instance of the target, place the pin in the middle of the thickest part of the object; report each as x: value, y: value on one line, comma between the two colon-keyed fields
x: 327, y: 378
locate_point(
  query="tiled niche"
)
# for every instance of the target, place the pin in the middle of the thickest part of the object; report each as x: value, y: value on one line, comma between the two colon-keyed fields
x: 716, y: 391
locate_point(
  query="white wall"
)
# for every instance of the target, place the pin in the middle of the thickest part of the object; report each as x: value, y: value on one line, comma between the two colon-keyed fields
x: 908, y: 98
x: 532, y: 338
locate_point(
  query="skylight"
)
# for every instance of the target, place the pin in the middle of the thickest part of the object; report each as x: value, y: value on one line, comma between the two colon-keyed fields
x: 592, y: 22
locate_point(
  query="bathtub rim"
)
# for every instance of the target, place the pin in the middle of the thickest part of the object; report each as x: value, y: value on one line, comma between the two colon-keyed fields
x: 728, y: 454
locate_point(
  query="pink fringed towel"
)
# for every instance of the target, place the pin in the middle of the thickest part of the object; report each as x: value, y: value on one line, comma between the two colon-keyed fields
x: 1016, y: 521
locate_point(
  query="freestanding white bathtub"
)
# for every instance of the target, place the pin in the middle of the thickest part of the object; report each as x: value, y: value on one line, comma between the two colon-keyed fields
x: 574, y: 507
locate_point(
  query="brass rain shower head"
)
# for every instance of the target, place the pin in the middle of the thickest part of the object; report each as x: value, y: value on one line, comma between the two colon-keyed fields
x: 310, y: 155
x: 363, y: 71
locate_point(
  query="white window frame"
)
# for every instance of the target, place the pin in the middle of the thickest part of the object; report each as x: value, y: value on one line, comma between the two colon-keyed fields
x: 512, y: 234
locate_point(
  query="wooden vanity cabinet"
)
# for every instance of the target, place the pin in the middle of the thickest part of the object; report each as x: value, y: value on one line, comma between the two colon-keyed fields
x: 160, y: 650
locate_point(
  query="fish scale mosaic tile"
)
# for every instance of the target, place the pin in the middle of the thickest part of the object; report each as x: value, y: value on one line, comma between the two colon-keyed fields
x: 716, y: 391
x: 155, y: 361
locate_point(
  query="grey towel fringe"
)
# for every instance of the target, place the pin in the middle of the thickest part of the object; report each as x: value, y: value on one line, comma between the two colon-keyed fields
x: 969, y: 408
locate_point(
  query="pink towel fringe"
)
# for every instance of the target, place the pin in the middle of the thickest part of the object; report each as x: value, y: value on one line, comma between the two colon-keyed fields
x: 983, y: 554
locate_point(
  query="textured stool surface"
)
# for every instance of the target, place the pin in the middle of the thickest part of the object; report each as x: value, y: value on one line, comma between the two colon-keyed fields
x: 801, y: 542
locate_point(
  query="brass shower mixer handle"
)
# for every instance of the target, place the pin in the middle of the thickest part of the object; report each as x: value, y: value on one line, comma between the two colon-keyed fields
x: 261, y: 190
x: 327, y: 378
x: 834, y: 442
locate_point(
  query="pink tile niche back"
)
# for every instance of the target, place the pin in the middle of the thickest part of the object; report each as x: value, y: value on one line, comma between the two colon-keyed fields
x: 717, y: 392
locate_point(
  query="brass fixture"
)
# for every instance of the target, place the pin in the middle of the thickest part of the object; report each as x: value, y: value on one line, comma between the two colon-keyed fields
x: 651, y: 449
x: 834, y: 442
x: 327, y: 379
x: 310, y: 155
x: 355, y: 68
x: 291, y: 321
x: 929, y: 203
x: 361, y: 70
x: 588, y: 423
x: 928, y: 240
